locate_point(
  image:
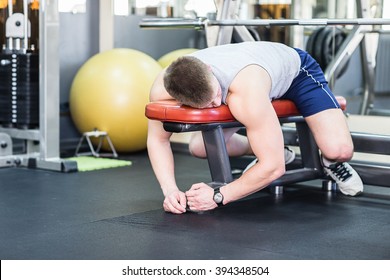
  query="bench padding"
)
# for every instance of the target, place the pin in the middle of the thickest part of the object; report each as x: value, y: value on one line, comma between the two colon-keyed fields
x: 173, y: 111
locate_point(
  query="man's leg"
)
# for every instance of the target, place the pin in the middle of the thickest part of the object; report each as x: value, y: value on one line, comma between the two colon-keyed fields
x: 236, y: 145
x: 331, y: 133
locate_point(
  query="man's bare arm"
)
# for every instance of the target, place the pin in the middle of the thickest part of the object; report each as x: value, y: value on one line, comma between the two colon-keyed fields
x: 249, y: 103
x: 161, y: 156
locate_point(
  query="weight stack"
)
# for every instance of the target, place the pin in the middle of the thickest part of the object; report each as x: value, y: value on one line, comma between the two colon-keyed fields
x: 19, y: 90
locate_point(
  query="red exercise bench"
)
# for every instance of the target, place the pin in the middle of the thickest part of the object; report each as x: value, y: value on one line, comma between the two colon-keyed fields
x: 178, y: 118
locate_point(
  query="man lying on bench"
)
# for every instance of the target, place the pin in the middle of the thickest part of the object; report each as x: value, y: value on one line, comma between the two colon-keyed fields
x: 247, y: 77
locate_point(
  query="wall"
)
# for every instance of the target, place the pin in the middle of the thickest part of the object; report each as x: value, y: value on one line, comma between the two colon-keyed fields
x: 79, y: 40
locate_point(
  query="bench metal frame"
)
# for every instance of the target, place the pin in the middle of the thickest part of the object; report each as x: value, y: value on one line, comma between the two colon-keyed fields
x: 218, y: 158
x: 309, y: 164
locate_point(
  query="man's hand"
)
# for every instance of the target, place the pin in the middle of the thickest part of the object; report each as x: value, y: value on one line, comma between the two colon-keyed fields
x: 200, y: 197
x: 175, y: 202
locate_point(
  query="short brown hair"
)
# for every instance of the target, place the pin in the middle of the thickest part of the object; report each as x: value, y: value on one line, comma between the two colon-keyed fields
x: 188, y: 80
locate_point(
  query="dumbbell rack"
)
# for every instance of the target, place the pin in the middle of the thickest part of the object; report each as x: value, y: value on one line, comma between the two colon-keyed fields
x: 42, y: 143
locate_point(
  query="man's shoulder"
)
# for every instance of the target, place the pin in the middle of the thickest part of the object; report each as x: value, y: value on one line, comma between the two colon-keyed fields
x: 245, y: 75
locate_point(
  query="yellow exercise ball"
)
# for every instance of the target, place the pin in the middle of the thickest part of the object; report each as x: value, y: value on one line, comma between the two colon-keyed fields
x: 170, y: 57
x: 109, y: 93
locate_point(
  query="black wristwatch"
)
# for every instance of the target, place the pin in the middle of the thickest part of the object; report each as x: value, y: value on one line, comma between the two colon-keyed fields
x: 218, y: 197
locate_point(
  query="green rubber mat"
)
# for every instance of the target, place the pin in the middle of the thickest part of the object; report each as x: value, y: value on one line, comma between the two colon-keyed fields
x: 85, y: 163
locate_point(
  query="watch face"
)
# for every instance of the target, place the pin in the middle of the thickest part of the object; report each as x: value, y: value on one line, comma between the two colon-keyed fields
x: 218, y: 198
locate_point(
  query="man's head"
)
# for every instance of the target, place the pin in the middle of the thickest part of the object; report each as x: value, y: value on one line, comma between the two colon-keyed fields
x: 191, y: 82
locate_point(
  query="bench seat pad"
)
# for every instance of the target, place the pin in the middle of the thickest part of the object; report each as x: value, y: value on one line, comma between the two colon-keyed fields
x: 173, y: 111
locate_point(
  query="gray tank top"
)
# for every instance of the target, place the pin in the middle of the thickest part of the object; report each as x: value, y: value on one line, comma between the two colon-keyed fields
x: 280, y: 61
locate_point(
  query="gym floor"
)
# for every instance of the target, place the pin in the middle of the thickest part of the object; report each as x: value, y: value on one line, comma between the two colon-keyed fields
x: 117, y: 214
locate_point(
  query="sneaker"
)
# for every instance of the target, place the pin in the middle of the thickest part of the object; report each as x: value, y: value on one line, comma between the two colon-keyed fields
x: 347, y: 179
x: 289, y: 156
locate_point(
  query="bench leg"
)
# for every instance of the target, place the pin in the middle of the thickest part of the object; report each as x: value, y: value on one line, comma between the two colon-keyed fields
x: 217, y: 155
x: 329, y: 186
x: 219, y: 162
x: 311, y: 165
x: 308, y: 147
x: 276, y: 190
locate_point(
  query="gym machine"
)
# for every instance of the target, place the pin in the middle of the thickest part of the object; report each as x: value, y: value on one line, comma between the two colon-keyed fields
x: 29, y: 86
x: 360, y: 36
x: 221, y: 30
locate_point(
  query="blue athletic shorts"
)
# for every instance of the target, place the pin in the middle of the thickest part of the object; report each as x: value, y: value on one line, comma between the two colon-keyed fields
x: 309, y: 90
